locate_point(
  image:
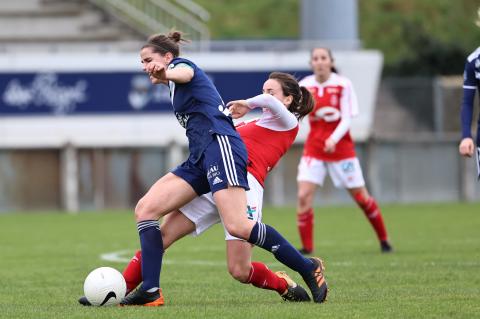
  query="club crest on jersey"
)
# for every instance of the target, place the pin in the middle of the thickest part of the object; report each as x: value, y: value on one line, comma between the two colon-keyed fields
x: 477, y: 63
x: 348, y: 167
x: 334, y: 100
x: 182, y: 119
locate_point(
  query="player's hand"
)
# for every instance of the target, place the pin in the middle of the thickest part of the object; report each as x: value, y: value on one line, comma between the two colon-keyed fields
x: 466, y: 147
x: 157, y: 71
x: 329, y: 145
x: 238, y: 108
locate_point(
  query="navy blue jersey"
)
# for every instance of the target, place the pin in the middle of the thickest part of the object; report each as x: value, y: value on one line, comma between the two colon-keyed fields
x: 199, y: 109
x: 471, y: 82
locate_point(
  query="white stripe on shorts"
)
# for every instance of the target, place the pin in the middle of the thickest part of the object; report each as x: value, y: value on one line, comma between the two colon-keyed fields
x: 227, y: 158
x: 229, y: 147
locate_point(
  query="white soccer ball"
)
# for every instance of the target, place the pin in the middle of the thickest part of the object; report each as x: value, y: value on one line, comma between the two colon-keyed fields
x: 104, y: 286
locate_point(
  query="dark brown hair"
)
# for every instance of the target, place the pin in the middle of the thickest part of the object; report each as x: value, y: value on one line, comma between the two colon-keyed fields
x: 161, y: 43
x: 302, y: 102
x: 329, y: 52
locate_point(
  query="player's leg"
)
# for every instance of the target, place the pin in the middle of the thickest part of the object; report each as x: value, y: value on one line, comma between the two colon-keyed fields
x: 258, y: 274
x: 174, y: 227
x: 311, y: 172
x: 167, y: 194
x: 231, y: 202
x: 370, y: 208
x: 348, y: 174
x: 305, y: 215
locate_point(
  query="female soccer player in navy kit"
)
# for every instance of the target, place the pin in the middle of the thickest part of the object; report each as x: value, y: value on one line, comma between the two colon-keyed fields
x: 267, y: 139
x: 471, y: 83
x: 217, y: 163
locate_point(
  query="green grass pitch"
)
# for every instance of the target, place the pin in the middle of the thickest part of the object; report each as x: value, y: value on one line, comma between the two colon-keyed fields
x: 433, y: 273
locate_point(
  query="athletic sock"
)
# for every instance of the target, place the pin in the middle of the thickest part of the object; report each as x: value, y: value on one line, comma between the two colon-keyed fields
x: 268, y: 238
x: 305, y: 222
x: 152, y: 253
x: 133, y: 271
x: 372, y: 212
x: 262, y: 277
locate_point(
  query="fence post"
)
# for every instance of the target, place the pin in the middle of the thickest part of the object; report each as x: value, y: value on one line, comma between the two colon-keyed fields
x: 69, y: 178
x: 175, y: 155
x: 438, y: 107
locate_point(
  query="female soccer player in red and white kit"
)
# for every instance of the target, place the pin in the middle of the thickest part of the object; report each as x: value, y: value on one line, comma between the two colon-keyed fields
x: 329, y: 148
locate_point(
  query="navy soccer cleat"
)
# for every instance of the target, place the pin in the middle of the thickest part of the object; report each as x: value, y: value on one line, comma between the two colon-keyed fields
x: 315, y: 280
x: 294, y: 292
x: 140, y: 297
x: 84, y: 301
x: 385, y: 246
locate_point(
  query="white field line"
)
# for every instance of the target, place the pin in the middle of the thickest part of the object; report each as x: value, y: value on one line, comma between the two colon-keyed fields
x: 124, y: 256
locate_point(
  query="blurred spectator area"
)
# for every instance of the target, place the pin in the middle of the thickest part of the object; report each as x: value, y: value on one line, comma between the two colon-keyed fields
x: 56, y: 24
x: 419, y: 107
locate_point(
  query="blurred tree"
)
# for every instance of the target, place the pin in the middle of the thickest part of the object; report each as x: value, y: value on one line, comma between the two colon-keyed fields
x: 420, y: 36
x: 252, y: 19
x: 416, y: 36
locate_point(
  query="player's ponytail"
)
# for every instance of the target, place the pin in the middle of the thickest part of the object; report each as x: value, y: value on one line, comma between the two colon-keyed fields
x: 307, y: 103
x: 302, y: 100
x: 161, y: 43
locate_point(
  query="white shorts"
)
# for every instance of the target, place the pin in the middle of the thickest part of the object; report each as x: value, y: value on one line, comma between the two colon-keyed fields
x: 346, y: 173
x: 203, y: 212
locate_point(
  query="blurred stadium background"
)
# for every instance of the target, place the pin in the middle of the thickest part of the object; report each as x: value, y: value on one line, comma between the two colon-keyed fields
x: 81, y: 128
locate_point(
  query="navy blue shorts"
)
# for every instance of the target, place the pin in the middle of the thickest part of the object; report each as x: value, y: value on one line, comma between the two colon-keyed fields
x: 223, y: 163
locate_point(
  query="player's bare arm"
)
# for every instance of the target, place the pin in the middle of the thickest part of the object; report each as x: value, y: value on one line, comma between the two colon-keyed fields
x: 179, y: 74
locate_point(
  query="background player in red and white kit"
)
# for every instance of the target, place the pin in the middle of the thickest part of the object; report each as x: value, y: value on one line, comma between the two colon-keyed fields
x: 267, y: 139
x: 329, y: 148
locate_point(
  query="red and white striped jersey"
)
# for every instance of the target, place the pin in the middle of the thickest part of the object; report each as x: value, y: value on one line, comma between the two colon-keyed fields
x: 335, y: 105
x: 268, y: 138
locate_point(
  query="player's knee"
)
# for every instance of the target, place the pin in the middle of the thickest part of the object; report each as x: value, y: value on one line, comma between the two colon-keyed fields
x: 304, y: 200
x: 144, y: 210
x: 239, y: 230
x: 240, y: 272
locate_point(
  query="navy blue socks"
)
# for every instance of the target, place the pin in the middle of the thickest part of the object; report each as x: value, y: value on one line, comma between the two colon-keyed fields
x: 269, y: 239
x: 152, y: 253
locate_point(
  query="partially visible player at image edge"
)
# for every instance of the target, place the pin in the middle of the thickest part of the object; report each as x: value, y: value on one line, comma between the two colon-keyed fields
x: 329, y: 149
x: 471, y: 84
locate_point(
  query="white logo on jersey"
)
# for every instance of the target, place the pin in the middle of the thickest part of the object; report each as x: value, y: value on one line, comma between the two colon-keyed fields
x: 328, y: 114
x: 477, y: 63
x: 224, y: 110
x: 333, y: 90
x: 477, y: 75
x: 217, y: 180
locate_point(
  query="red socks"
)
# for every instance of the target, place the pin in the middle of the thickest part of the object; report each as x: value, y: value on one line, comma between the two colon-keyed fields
x: 305, y: 228
x: 262, y: 277
x: 372, y: 212
x: 133, y: 272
